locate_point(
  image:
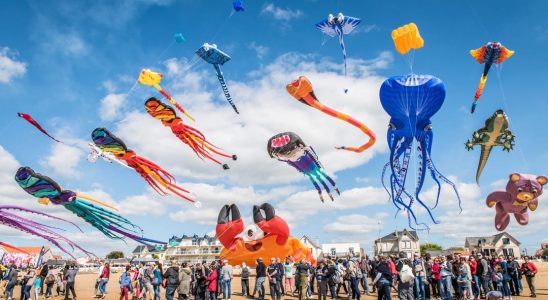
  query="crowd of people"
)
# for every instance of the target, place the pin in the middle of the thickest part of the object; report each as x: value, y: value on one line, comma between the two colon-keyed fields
x: 420, y: 277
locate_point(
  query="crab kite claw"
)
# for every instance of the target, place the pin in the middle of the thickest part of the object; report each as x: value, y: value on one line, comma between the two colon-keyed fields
x: 229, y: 225
x: 270, y: 223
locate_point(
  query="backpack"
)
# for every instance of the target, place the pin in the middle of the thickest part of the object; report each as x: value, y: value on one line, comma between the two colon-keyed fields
x: 337, y: 277
x: 406, y: 275
x: 245, y: 272
x: 49, y: 279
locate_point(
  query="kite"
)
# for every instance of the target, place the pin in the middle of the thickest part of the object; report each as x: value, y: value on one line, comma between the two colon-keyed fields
x: 12, y: 247
x: 46, y: 232
x: 268, y: 238
x: 147, y: 77
x: 290, y: 148
x: 339, y: 26
x: 153, y: 174
x: 301, y: 89
x: 238, y: 5
x: 187, y: 134
x: 492, y: 53
x: 48, y: 191
x: 179, y: 38
x: 217, y: 58
x: 29, y: 119
x: 95, y: 152
x: 495, y: 133
x: 407, y: 37
x: 411, y: 100
x: 522, y: 193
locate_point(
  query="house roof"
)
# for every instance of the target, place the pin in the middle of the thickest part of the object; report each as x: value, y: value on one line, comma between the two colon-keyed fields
x: 141, y: 248
x: 176, y: 240
x: 29, y: 250
x: 311, y: 242
x: 488, y: 240
x: 396, y: 235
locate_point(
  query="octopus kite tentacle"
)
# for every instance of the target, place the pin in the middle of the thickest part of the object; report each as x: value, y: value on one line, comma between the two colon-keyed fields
x: 159, y: 179
x: 187, y: 134
x: 301, y: 89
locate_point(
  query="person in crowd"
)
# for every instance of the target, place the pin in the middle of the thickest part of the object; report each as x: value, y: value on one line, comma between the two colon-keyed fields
x: 405, y: 285
x: 157, y: 281
x: 428, y: 261
x: 43, y: 273
x: 171, y: 276
x: 464, y: 279
x: 289, y: 279
x: 483, y: 273
x: 435, y: 278
x: 311, y: 280
x: 11, y: 277
x: 364, y: 269
x: 321, y: 279
x: 29, y: 278
x: 37, y: 285
x: 212, y: 281
x: 70, y: 278
x: 49, y: 281
x: 200, y: 275
x: 245, y: 274
x: 498, y: 279
x: 59, y: 283
x: 513, y: 273
x: 280, y: 276
x: 505, y: 288
x: 455, y: 261
x: 391, y: 260
x: 341, y: 270
x: 303, y: 269
x: 148, y: 276
x: 446, y: 273
x: 373, y: 271
x: 125, y: 283
x: 419, y: 271
x: 185, y: 277
x: 331, y: 274
x: 271, y: 273
x: 475, y: 279
x: 226, y: 281
x: 260, y: 271
x: 352, y: 272
x: 383, y: 279
x: 529, y: 270
x: 105, y: 276
x: 98, y: 279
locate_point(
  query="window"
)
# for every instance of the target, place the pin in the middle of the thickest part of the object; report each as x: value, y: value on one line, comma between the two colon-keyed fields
x: 505, y: 252
x: 333, y: 252
x: 384, y: 247
x: 506, y: 241
x: 406, y: 245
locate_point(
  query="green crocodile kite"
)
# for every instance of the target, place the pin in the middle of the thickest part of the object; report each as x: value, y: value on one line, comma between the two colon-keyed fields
x: 495, y: 133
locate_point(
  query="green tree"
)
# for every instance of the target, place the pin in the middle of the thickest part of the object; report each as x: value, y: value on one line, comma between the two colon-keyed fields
x: 455, y: 248
x: 155, y: 256
x: 429, y: 247
x: 115, y: 255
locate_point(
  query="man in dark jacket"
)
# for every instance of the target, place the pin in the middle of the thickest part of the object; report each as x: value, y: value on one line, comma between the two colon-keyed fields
x: 11, y: 277
x: 405, y: 289
x: 483, y: 273
x: 261, y: 276
x: 513, y: 273
x: 171, y: 275
x: 43, y: 273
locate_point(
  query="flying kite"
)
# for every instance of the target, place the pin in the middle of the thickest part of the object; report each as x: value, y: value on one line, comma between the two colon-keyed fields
x: 147, y: 77
x: 158, y: 178
x: 407, y: 37
x: 238, y: 5
x: 339, y: 26
x: 48, y: 191
x: 301, y: 89
x: 521, y: 194
x: 46, y: 232
x: 494, y: 133
x: 411, y: 100
x: 290, y: 148
x: 187, y: 134
x: 33, y: 122
x: 268, y: 238
x: 492, y: 53
x: 217, y: 58
x: 5, y: 245
x: 179, y: 38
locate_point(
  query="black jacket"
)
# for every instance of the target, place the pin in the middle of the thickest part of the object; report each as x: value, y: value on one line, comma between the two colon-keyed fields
x: 172, y: 276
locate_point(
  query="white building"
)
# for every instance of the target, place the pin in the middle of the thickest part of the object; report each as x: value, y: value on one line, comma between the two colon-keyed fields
x: 495, y: 245
x: 342, y: 250
x: 193, y: 249
x: 312, y: 245
x: 396, y: 242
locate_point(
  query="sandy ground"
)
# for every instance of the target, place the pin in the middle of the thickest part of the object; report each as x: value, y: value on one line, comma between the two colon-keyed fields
x: 85, y: 287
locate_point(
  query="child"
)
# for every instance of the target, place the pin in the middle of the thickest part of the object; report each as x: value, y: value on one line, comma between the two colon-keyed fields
x: 498, y: 269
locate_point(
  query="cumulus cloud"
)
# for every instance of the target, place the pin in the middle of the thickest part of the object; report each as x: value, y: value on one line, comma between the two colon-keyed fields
x: 111, y: 106
x: 63, y: 159
x: 278, y: 13
x: 10, y: 67
x: 260, y: 50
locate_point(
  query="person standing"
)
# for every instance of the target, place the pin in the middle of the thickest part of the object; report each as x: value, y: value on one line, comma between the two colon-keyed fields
x: 464, y: 279
x: 157, y: 281
x: 43, y: 273
x: 260, y: 271
x: 212, y: 281
x: 303, y: 269
x: 104, y: 277
x: 353, y: 278
x: 70, y: 278
x: 373, y: 270
x: 280, y: 276
x: 98, y: 279
x: 475, y: 279
x: 483, y: 273
x: 272, y: 272
x: 428, y: 275
x: 529, y: 269
x: 171, y: 276
x: 125, y: 284
x: 503, y: 264
x: 246, y: 272
x: 435, y: 278
x: 288, y: 275
x: 331, y: 274
x: 29, y: 281
x: 321, y: 279
x: 49, y: 280
x: 383, y: 279
x: 226, y: 281
x: 364, y: 268
x: 446, y: 272
x: 185, y: 276
x: 405, y: 280
x: 420, y: 275
x: 200, y: 276
x: 513, y: 273
x: 11, y: 277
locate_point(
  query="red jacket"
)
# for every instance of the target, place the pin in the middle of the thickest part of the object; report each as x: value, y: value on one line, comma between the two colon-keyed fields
x: 106, y: 273
x: 531, y: 266
x: 392, y: 267
x: 436, y: 271
x: 473, y: 267
x: 212, y: 281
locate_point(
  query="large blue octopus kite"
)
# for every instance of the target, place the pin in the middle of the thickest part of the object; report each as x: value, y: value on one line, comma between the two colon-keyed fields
x: 411, y: 100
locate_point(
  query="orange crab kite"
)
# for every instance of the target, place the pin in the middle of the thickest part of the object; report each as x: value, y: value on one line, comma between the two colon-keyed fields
x: 269, y: 238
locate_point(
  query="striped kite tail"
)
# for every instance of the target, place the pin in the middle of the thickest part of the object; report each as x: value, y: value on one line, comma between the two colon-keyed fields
x: 479, y: 91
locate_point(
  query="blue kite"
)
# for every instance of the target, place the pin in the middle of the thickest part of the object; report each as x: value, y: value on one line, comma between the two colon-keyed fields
x: 217, y: 58
x: 339, y: 26
x: 411, y: 100
x: 238, y: 5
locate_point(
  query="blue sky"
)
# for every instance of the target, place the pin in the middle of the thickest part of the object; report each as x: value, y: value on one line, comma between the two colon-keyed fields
x: 73, y: 65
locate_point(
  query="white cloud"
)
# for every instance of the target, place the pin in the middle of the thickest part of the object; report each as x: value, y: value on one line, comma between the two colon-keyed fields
x: 279, y: 13
x: 67, y: 43
x: 63, y: 159
x: 10, y: 67
x: 260, y: 50
x: 353, y: 224
x: 111, y: 106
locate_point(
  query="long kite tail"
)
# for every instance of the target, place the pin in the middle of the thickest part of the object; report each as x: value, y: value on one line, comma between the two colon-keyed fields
x: 224, y: 87
x: 33, y: 122
x: 12, y: 247
x: 341, y: 42
x: 22, y: 209
x: 134, y: 237
x: 372, y: 137
x: 172, y: 101
x: 484, y: 156
x: 479, y: 91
